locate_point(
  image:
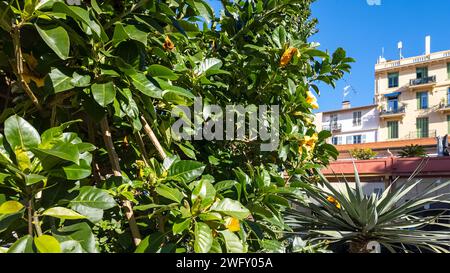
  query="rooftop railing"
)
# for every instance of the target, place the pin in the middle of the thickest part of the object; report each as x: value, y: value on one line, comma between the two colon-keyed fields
x: 413, y: 60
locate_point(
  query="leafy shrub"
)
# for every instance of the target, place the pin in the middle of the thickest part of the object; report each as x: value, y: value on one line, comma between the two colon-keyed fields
x: 120, y: 69
x: 363, y: 154
x: 413, y: 151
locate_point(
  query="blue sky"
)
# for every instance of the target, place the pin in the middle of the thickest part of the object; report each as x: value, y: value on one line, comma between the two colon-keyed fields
x: 363, y: 30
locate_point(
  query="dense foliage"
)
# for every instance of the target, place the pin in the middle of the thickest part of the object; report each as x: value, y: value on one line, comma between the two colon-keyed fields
x: 363, y: 154
x: 87, y: 158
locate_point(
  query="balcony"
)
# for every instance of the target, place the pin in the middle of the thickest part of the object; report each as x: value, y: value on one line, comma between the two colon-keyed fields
x: 421, y: 134
x: 422, y: 82
x: 393, y: 113
x: 332, y: 127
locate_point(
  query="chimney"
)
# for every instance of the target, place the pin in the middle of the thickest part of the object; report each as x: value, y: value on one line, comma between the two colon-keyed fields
x: 428, y: 45
x: 346, y: 104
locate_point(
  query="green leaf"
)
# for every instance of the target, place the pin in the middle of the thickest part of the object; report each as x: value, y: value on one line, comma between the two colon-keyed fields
x: 10, y: 207
x: 151, y: 243
x: 170, y: 193
x: 92, y: 214
x: 207, y: 64
x: 160, y: 71
x: 204, y: 191
x: 23, y: 245
x: 185, y: 170
x: 47, y: 244
x: 19, y: 133
x: 81, y: 15
x: 58, y: 153
x: 232, y: 242
x: 32, y: 178
x: 179, y: 227
x: 232, y: 208
x: 63, y: 213
x: 60, y: 81
x: 81, y: 233
x: 104, y: 93
x: 77, y: 172
x: 80, y: 80
x: 56, y: 38
x: 279, y: 36
x: 94, y: 198
x: 141, y: 83
x: 204, y: 10
x: 122, y: 33
x: 203, y: 238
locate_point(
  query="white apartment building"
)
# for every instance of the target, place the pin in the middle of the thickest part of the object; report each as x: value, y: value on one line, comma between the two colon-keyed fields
x: 350, y: 125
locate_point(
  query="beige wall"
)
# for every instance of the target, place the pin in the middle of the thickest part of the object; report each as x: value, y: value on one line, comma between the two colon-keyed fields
x: 407, y: 122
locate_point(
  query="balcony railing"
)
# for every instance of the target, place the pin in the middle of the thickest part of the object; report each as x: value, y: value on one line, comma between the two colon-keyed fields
x: 426, y: 80
x: 400, y: 110
x: 332, y: 127
x: 421, y: 134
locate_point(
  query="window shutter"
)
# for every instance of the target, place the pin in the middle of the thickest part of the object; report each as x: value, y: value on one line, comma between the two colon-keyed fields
x: 418, y: 100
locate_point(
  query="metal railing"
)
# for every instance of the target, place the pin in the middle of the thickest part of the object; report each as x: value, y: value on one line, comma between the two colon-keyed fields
x: 332, y: 127
x: 399, y: 110
x: 421, y: 134
x: 425, y: 80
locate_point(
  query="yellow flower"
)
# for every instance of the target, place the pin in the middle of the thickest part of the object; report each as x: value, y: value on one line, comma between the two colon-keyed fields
x: 338, y: 205
x: 287, y: 56
x: 312, y: 100
x: 309, y: 142
x: 168, y: 44
x: 331, y: 199
x: 232, y: 224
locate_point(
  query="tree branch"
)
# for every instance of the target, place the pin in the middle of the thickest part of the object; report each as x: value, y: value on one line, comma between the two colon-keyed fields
x: 148, y: 130
x: 114, y: 159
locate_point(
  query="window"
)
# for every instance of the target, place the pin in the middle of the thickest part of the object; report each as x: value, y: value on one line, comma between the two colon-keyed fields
x: 349, y: 140
x: 336, y: 140
x: 357, y: 118
x: 422, y: 127
x: 393, y: 105
x: 448, y: 71
x: 333, y: 120
x: 378, y: 191
x: 357, y: 139
x: 422, y: 72
x: 422, y: 100
x: 448, y: 97
x: 392, y: 80
x: 448, y: 124
x: 392, y: 129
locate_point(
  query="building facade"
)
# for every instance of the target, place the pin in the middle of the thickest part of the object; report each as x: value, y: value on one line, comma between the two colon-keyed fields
x: 413, y: 96
x: 350, y: 125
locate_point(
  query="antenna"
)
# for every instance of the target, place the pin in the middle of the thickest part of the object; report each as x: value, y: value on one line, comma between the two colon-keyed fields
x: 400, y: 47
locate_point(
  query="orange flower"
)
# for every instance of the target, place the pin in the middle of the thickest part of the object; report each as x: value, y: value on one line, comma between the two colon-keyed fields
x: 331, y: 199
x: 287, y: 56
x: 232, y: 224
x: 312, y: 100
x: 168, y: 44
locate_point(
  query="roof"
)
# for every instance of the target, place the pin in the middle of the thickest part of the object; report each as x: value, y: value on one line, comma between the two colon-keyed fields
x: 388, y: 144
x: 350, y: 109
x: 391, y: 166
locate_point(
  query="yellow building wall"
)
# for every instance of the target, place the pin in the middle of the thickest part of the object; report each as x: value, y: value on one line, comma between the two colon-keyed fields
x: 407, y: 123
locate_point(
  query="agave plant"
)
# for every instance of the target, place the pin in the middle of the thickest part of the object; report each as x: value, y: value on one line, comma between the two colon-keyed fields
x: 350, y: 217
